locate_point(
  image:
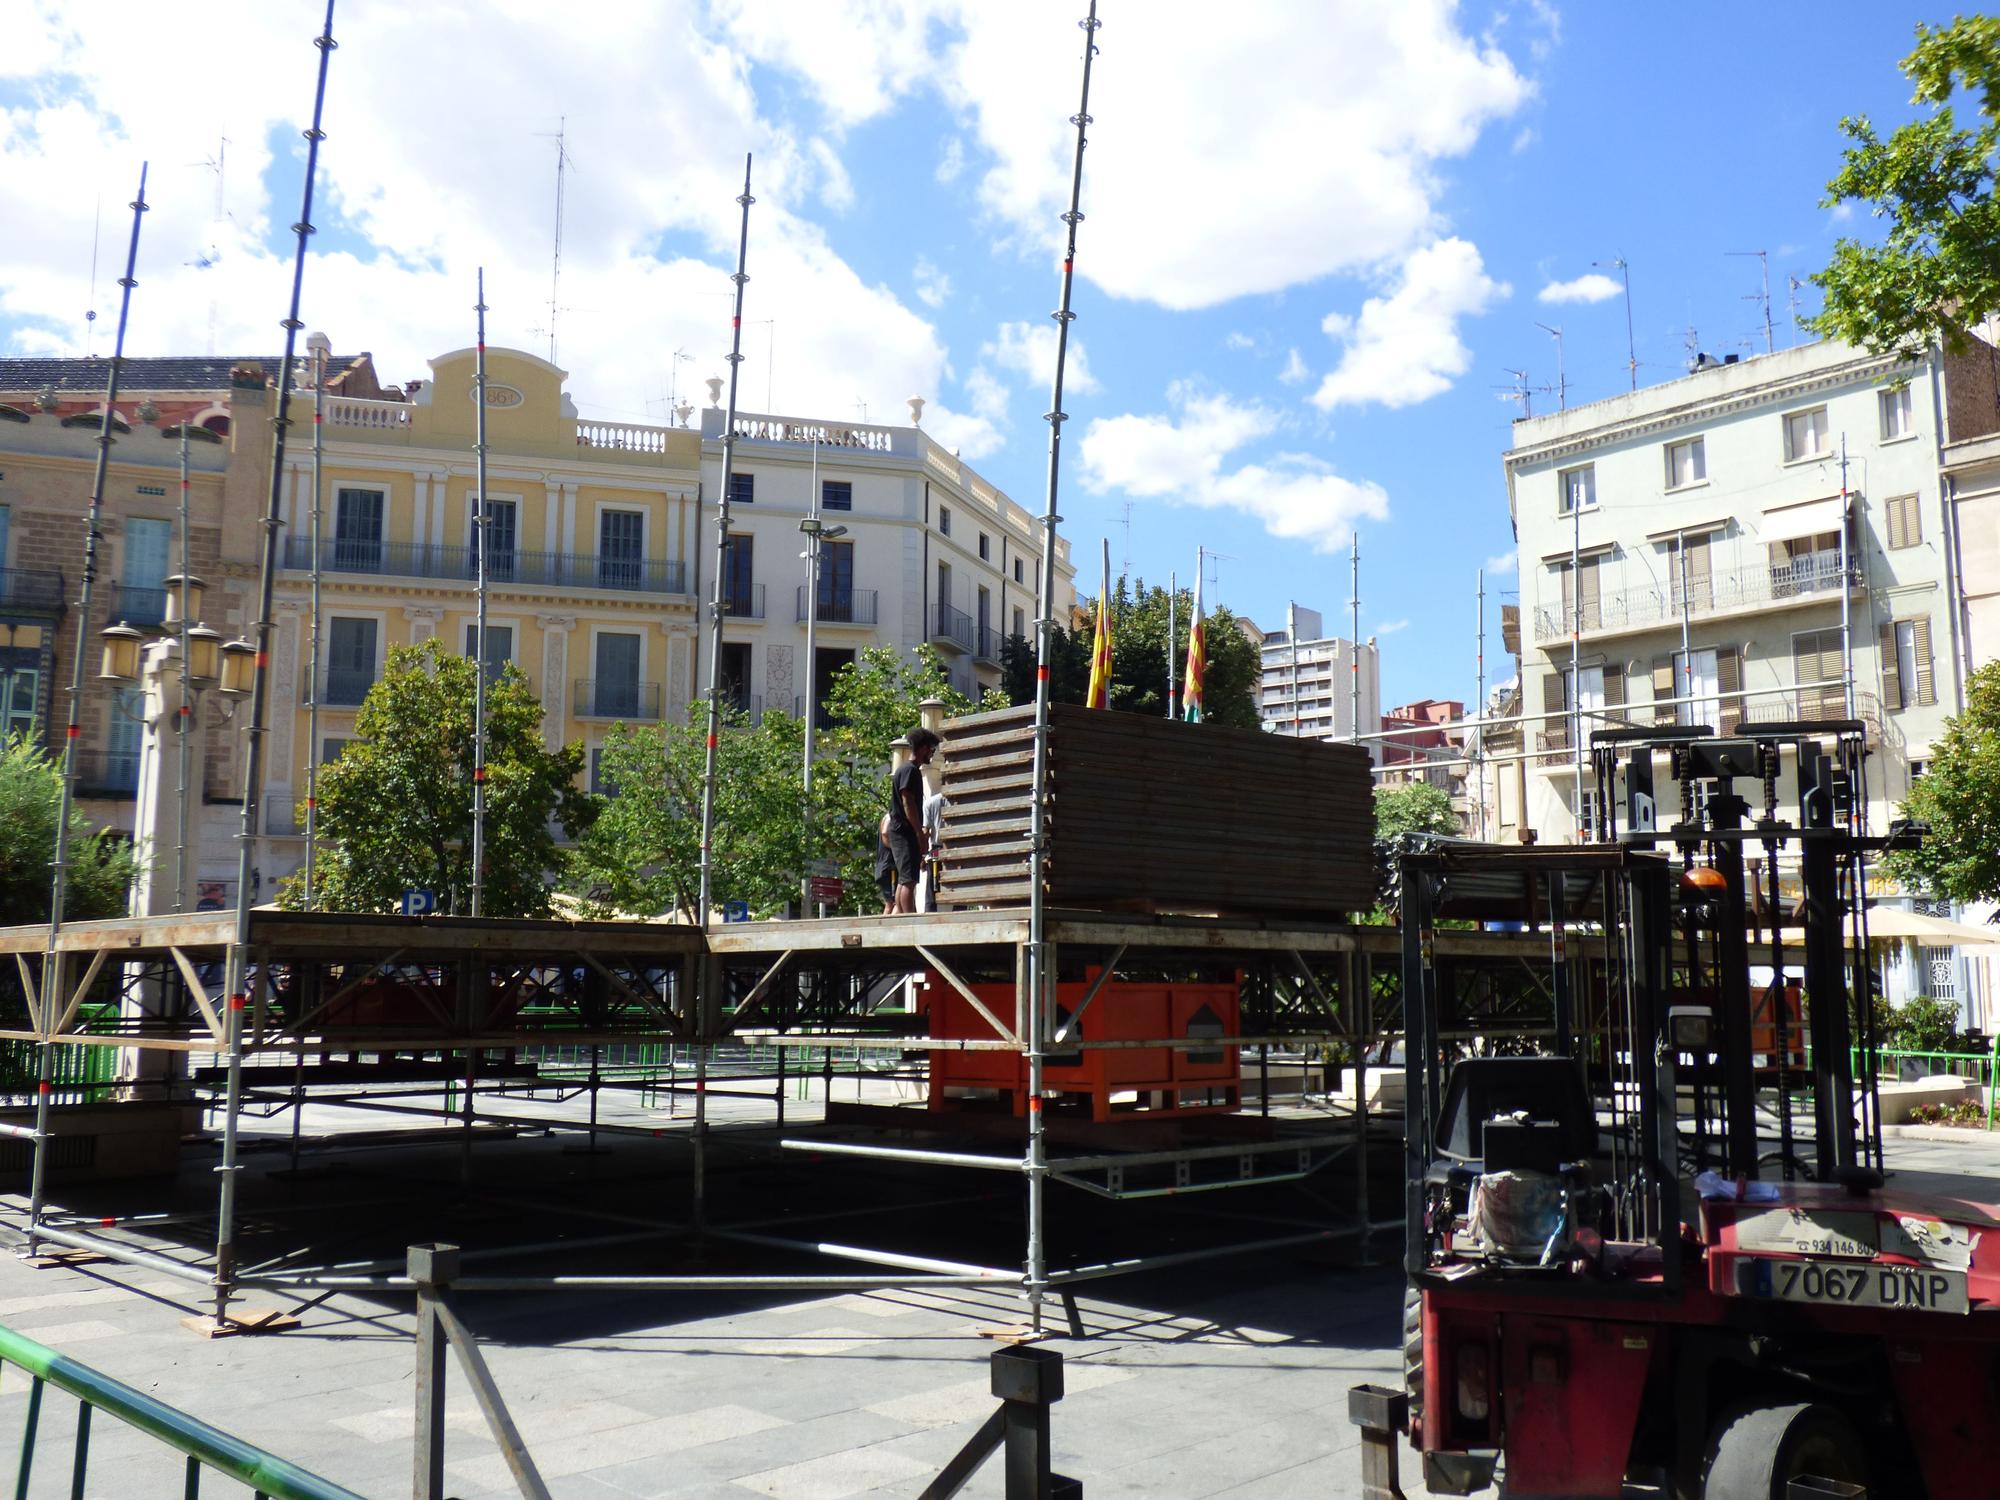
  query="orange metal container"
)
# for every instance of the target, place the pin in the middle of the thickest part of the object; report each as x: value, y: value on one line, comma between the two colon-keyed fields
x: 1112, y: 1081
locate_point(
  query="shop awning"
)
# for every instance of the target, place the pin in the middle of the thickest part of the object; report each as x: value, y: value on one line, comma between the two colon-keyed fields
x: 1890, y: 922
x: 1814, y: 518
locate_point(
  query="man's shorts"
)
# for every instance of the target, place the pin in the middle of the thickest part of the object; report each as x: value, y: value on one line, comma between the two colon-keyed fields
x: 903, y: 852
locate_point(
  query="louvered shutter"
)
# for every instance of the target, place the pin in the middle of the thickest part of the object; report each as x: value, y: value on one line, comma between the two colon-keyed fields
x: 1614, y: 690
x: 1926, y: 681
x: 1728, y: 682
x: 1892, y: 672
x: 1555, y: 731
x: 1588, y: 584
x: 1663, y: 690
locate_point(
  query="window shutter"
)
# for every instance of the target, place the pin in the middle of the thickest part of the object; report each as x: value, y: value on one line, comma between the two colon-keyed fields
x: 1926, y: 681
x: 1892, y: 674
x: 1587, y: 581
x: 1898, y: 528
x: 1663, y: 690
x: 1698, y: 569
x: 1555, y: 700
x: 1729, y: 680
x: 1614, y: 688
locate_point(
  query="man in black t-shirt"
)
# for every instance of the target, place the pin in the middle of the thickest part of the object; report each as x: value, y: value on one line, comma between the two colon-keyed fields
x: 906, y: 836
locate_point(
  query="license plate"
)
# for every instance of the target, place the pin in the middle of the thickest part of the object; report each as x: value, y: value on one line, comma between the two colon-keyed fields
x: 1827, y: 1284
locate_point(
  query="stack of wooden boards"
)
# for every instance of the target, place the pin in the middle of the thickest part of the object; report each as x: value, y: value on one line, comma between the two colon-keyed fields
x: 1148, y: 814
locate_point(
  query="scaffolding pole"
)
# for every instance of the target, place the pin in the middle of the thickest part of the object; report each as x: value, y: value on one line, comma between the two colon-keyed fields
x: 52, y: 991
x: 317, y: 343
x: 480, y: 524
x: 237, y: 965
x: 183, y: 716
x: 1038, y: 967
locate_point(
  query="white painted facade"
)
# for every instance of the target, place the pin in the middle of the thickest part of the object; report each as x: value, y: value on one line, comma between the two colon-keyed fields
x: 1312, y: 692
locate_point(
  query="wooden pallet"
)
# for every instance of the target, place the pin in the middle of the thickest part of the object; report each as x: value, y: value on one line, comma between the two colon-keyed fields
x: 1152, y: 815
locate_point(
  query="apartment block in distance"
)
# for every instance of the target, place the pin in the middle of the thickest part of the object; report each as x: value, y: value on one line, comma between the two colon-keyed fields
x: 1311, y: 691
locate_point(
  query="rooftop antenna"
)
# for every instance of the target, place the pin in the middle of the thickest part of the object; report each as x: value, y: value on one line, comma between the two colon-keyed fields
x: 1562, y: 381
x: 1127, y: 524
x: 1617, y: 263
x: 1764, y: 297
x: 1211, y: 557
x: 1792, y: 287
x: 207, y: 259
x: 681, y: 356
x: 555, y: 274
x: 1691, y: 342
x: 1521, y: 391
x: 90, y: 313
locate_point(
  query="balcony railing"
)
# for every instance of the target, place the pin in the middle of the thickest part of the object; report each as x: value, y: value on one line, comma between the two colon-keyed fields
x: 616, y: 698
x: 345, y: 687
x: 840, y: 607
x: 627, y: 437
x: 743, y: 602
x: 561, y: 570
x: 31, y: 588
x: 144, y: 608
x: 758, y: 428
x: 107, y: 773
x: 1649, y: 605
x: 988, y: 648
x: 951, y: 627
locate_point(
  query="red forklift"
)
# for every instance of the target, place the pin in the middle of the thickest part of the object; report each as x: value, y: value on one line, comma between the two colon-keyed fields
x: 1651, y: 1248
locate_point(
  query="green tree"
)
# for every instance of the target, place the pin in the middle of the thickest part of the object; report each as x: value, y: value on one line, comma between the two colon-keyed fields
x: 395, y: 810
x: 1934, y: 275
x: 1416, y: 807
x: 1959, y: 797
x: 100, y: 866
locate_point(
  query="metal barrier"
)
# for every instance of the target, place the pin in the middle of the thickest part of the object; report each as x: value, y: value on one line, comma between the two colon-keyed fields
x: 433, y: 1268
x: 206, y: 1447
x: 1979, y: 1068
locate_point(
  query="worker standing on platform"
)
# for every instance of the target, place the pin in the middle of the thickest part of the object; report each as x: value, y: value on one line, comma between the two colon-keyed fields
x: 907, y: 838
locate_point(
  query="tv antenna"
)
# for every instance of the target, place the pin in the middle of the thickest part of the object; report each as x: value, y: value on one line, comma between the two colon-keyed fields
x: 1562, y: 380
x: 90, y: 313
x: 1127, y: 524
x: 1212, y: 557
x: 1520, y: 390
x: 206, y: 260
x: 1763, y: 297
x: 555, y: 274
x: 1617, y: 263
x: 1793, y: 285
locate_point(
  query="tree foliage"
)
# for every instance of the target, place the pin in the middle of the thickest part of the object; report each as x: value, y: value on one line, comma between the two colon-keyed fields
x: 395, y: 811
x: 100, y: 866
x: 1935, y: 274
x: 1139, y: 657
x: 1959, y: 797
x: 1415, y: 807
x: 643, y: 855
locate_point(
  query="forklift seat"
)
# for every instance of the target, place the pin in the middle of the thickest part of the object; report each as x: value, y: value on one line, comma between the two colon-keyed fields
x: 1547, y: 1091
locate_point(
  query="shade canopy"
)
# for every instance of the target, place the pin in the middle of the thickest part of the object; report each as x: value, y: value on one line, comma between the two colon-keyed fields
x: 1814, y: 518
x: 1893, y: 922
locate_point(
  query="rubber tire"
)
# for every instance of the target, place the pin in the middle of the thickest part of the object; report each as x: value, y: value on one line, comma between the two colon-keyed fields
x: 1756, y: 1449
x: 1413, y: 1353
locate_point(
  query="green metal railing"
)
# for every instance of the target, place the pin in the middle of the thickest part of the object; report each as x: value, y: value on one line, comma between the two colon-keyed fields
x: 1979, y: 1067
x: 81, y: 1073
x: 205, y: 1447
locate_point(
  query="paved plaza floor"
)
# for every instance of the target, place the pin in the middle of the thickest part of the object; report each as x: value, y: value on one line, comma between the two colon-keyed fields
x: 1224, y: 1378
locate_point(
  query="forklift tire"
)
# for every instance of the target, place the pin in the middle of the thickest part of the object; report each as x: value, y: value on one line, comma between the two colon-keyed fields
x: 1413, y: 1353
x: 1756, y: 1450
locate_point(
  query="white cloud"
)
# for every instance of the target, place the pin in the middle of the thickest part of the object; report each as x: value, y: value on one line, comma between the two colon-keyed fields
x: 1182, y: 459
x: 1237, y: 340
x: 1295, y: 369
x: 1186, y: 111
x: 951, y: 160
x: 1840, y: 213
x: 1525, y: 137
x: 1029, y: 350
x: 1503, y: 562
x: 987, y: 394
x: 1405, y: 348
x: 933, y: 286
x: 972, y: 437
x: 1592, y: 286
x: 1390, y: 627
x: 402, y: 231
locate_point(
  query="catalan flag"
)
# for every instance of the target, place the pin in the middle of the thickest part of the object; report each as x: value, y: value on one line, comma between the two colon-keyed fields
x: 1100, y: 651
x: 1197, y: 660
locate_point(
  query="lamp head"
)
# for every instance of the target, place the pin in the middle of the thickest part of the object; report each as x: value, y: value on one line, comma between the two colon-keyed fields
x: 203, y: 644
x: 119, y: 662
x: 239, y: 665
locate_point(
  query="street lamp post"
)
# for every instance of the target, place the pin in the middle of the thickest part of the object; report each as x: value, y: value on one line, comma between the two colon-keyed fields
x: 817, y: 533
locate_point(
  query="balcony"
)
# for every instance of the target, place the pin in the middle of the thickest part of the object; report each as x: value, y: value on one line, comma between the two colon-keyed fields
x: 345, y: 687
x: 144, y: 608
x: 951, y: 628
x: 1802, y: 580
x: 39, y: 589
x: 548, y: 570
x: 988, y: 647
x: 111, y: 774
x: 616, y: 698
x: 1808, y: 704
x: 757, y: 427
x: 840, y: 607
x: 743, y: 601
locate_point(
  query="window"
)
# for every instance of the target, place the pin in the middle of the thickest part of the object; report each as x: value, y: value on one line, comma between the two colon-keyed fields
x: 121, y: 757
x: 500, y: 534
x: 1907, y: 677
x: 836, y: 581
x: 828, y: 663
x: 1691, y: 572
x: 599, y: 784
x: 615, y: 693
x: 621, y: 548
x: 1577, y: 489
x: 142, y: 595
x: 357, y: 531
x: 742, y: 489
x: 20, y: 692
x: 1586, y: 820
x: 1020, y: 621
x: 331, y: 749
x: 1581, y: 595
x: 1018, y: 577
x: 985, y: 547
x: 944, y: 520
x: 984, y: 617
x: 739, y: 592
x: 736, y: 675
x: 1805, y: 434
x: 350, y: 660
x: 1905, y: 525
x: 499, y: 646
x: 1687, y: 463
x: 1819, y: 671
x: 1898, y: 416
x: 1693, y: 676
x: 836, y: 494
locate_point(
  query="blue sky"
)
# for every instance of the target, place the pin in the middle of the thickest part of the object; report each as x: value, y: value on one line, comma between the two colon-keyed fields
x: 1315, y: 240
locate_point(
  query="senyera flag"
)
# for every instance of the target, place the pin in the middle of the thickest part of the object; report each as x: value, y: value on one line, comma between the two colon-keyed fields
x: 1197, y: 660
x: 1100, y: 651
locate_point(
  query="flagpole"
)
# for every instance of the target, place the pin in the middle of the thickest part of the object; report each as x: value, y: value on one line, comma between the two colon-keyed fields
x: 1173, y: 648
